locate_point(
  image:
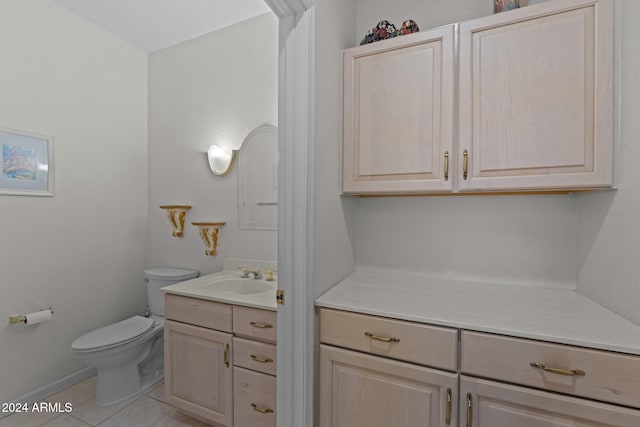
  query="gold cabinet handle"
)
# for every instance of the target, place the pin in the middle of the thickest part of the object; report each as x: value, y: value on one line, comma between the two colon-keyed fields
x: 566, y: 372
x: 465, y: 164
x: 261, y: 325
x: 261, y: 409
x: 469, y: 410
x: 383, y: 339
x: 226, y: 355
x: 261, y: 359
x: 446, y: 166
x: 447, y: 417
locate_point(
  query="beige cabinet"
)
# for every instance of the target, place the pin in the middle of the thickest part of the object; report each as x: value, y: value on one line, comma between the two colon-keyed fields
x: 536, y: 98
x: 254, y: 372
x: 398, y: 114
x: 555, y: 385
x: 535, y: 105
x: 198, y: 376
x: 369, y: 388
x: 490, y: 404
x: 205, y: 376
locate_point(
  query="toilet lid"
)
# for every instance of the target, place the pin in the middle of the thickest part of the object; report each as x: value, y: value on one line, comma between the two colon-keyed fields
x: 116, y: 333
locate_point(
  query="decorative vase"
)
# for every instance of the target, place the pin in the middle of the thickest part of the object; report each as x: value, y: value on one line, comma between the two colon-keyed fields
x: 502, y: 5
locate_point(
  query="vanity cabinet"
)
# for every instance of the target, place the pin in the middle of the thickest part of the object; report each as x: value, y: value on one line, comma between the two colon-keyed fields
x: 535, y: 372
x: 220, y: 361
x: 197, y: 357
x: 535, y: 98
x: 362, y: 382
x: 398, y: 114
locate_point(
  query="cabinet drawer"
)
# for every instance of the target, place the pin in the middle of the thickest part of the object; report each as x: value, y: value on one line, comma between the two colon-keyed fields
x: 254, y: 355
x: 254, y: 399
x: 412, y: 342
x: 610, y: 377
x: 209, y: 314
x: 254, y: 323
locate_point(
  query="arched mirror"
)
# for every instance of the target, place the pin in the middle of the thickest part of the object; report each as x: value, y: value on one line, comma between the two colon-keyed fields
x: 258, y: 179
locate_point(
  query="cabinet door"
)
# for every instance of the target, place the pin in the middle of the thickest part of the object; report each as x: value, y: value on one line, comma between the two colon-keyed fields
x: 198, y: 375
x: 490, y: 404
x: 398, y: 114
x: 360, y: 390
x: 536, y: 98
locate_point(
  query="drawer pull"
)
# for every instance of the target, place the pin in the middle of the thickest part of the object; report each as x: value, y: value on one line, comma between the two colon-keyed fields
x: 383, y: 339
x: 448, y: 412
x: 226, y: 355
x: 261, y: 325
x: 261, y: 410
x: 469, y: 411
x: 261, y: 359
x: 566, y: 372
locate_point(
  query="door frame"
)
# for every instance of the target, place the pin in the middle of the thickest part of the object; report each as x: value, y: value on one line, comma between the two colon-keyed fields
x: 295, y: 333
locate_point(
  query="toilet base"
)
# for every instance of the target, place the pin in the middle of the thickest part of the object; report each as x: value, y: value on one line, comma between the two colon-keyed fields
x: 105, y: 396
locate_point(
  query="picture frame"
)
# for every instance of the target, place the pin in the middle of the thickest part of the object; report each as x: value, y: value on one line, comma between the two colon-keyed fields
x: 26, y: 163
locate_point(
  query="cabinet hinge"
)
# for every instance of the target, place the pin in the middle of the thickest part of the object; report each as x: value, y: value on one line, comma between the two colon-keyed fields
x: 280, y: 296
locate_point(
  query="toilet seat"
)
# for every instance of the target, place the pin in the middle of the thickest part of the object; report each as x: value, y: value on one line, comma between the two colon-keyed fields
x: 114, y: 335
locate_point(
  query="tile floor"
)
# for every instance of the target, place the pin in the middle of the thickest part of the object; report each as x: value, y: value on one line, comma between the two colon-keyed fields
x: 147, y: 410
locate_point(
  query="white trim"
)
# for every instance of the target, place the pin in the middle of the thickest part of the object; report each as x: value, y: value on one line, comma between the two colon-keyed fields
x: 45, y: 391
x: 295, y: 212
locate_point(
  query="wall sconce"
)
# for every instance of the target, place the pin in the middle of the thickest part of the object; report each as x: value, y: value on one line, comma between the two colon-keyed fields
x: 177, y: 215
x: 220, y: 161
x: 210, y: 232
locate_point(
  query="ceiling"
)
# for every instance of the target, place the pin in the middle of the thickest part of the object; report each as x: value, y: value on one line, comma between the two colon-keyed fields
x: 155, y: 24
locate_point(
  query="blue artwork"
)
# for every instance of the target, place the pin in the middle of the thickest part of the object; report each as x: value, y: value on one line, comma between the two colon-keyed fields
x: 18, y: 162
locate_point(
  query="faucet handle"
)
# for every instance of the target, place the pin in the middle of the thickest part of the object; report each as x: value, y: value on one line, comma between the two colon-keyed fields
x: 270, y: 274
x: 245, y: 272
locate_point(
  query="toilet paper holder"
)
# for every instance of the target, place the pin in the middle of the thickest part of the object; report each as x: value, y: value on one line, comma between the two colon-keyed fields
x: 22, y: 318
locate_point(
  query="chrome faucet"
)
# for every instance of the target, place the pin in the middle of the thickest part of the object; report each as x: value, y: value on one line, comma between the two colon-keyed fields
x: 246, y: 272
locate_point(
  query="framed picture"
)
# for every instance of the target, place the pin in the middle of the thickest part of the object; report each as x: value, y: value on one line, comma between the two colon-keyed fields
x: 26, y: 163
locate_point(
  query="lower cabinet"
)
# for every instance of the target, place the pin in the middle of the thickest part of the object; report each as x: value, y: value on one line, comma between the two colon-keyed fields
x: 220, y: 361
x: 380, y: 372
x: 254, y: 396
x: 361, y: 390
x: 492, y: 404
x: 198, y: 374
x: 373, y: 372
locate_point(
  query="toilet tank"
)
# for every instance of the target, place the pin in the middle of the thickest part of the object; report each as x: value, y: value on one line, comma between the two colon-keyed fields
x: 158, y: 278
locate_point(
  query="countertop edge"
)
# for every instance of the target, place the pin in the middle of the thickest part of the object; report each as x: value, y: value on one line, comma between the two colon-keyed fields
x: 343, y: 295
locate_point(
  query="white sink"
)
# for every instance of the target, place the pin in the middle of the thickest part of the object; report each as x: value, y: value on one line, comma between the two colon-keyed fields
x: 238, y: 286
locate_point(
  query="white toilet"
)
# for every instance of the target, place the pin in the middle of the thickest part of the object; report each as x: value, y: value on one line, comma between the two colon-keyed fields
x: 128, y: 355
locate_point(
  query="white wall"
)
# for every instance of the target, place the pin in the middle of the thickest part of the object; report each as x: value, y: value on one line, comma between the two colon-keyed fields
x: 517, y: 240
x: 609, y: 226
x: 426, y: 13
x: 334, y: 216
x: 213, y: 89
x: 82, y: 251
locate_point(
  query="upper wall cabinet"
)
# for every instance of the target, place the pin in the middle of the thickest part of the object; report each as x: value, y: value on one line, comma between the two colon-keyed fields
x: 398, y: 114
x: 534, y: 112
x: 536, y: 98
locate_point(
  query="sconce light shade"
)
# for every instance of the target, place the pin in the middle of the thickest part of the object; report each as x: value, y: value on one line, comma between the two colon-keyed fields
x: 221, y: 162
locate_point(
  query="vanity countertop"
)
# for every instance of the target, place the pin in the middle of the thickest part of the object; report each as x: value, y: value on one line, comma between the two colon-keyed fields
x: 554, y: 315
x: 228, y: 287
